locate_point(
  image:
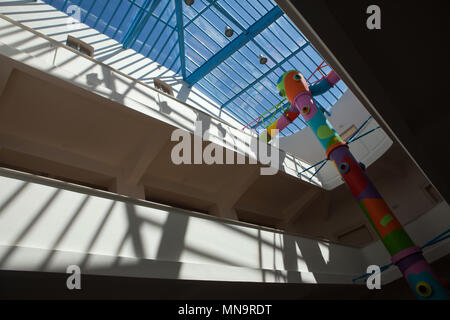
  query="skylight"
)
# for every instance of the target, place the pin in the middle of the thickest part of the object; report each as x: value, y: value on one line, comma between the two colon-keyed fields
x: 227, y: 69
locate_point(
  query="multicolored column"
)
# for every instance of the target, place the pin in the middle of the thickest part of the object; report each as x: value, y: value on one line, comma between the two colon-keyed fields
x: 407, y: 256
x: 292, y: 113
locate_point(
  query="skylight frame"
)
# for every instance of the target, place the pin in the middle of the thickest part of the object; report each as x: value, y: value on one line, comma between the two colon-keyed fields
x: 158, y: 40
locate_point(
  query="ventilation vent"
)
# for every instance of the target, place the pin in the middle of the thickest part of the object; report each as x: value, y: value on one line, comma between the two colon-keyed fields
x: 80, y: 46
x: 162, y: 86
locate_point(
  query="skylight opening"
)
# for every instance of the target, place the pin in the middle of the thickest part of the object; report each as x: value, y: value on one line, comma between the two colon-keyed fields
x: 239, y: 84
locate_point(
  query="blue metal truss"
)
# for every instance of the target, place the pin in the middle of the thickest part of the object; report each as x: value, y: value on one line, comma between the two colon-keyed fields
x: 223, y: 11
x: 138, y: 23
x: 265, y: 74
x: 235, y: 45
x: 180, y: 29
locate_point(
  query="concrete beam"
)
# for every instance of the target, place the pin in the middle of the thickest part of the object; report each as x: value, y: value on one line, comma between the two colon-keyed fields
x: 232, y: 191
x: 136, y: 164
x: 291, y: 213
x: 178, y: 188
x: 6, y: 70
x: 121, y: 186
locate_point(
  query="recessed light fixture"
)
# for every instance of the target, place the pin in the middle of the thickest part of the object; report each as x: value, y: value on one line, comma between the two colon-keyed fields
x: 228, y: 31
x: 189, y: 2
x: 262, y: 59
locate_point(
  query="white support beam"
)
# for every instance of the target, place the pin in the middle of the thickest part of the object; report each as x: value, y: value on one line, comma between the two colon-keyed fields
x: 232, y: 191
x: 134, y: 168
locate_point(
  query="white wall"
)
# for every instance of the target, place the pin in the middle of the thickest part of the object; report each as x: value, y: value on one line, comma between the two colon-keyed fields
x: 47, y: 225
x: 347, y: 111
x: 45, y: 228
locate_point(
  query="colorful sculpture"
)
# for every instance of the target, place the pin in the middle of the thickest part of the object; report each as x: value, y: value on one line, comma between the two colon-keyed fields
x: 407, y: 256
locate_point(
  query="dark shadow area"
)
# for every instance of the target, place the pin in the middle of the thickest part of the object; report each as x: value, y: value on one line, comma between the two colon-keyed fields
x: 97, y: 234
x: 40, y: 212
x: 316, y: 261
x: 12, y: 197
x: 172, y: 241
x: 372, y: 56
x: 134, y: 226
x: 170, y: 248
x: 64, y: 232
x: 290, y: 259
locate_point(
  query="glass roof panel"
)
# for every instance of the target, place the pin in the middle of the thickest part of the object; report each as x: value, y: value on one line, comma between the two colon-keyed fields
x: 227, y: 69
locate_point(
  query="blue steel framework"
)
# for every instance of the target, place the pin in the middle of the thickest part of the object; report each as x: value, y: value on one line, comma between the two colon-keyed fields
x: 190, y: 41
